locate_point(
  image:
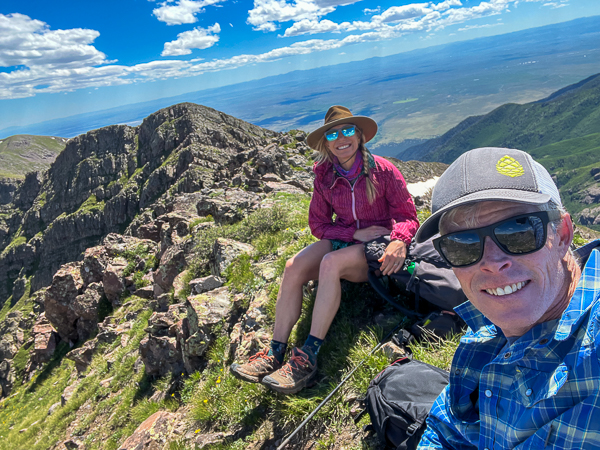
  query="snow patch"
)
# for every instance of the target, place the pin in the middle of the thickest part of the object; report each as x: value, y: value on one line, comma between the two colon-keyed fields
x: 418, y: 189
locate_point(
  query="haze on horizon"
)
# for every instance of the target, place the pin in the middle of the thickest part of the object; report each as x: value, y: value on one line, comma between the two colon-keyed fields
x: 60, y: 61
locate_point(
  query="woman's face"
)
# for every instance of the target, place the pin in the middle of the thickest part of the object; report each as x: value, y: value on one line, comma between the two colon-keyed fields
x: 344, y: 147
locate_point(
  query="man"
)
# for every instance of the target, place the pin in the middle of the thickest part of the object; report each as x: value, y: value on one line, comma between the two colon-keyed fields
x: 527, y: 373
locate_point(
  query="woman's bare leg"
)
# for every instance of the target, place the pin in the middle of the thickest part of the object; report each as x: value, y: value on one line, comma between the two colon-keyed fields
x: 349, y: 264
x: 299, y: 270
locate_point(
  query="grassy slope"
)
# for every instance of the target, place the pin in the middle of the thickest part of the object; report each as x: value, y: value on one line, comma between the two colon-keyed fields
x: 104, y: 415
x: 572, y: 114
x: 21, y: 154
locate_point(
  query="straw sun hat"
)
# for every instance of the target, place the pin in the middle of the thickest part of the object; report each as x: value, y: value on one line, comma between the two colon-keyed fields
x: 337, y: 115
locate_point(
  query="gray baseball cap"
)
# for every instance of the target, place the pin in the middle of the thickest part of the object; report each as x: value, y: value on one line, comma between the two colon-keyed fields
x: 489, y: 173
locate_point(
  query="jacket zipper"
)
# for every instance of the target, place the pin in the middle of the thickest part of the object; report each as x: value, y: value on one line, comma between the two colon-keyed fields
x: 353, y: 199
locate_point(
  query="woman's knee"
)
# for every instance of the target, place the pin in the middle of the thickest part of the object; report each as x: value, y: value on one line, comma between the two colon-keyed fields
x: 305, y: 261
x: 345, y: 262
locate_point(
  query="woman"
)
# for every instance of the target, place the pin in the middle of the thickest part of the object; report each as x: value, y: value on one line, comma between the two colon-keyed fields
x: 369, y: 198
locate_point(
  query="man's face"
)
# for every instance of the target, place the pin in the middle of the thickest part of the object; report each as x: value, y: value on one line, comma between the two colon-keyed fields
x: 539, y: 277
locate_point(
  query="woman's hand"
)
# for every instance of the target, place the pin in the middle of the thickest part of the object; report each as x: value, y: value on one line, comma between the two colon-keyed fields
x: 393, y: 257
x: 370, y: 233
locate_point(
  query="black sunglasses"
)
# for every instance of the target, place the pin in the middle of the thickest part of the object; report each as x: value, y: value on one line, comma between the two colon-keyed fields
x: 518, y: 235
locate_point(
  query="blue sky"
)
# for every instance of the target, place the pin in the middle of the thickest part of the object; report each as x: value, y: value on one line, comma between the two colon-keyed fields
x: 63, y: 57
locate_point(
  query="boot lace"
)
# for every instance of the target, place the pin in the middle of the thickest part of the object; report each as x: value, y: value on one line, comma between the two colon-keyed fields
x: 298, y: 360
x: 260, y: 357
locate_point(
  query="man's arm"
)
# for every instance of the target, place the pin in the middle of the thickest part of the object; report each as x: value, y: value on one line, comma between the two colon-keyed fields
x: 441, y: 432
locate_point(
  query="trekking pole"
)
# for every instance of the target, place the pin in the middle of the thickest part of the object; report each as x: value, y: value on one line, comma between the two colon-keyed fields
x: 326, y: 399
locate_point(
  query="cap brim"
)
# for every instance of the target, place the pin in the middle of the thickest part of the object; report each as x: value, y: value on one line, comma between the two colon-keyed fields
x: 431, y: 226
x: 367, y: 125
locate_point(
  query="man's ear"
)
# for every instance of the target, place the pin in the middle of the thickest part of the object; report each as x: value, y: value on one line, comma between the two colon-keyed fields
x: 565, y: 232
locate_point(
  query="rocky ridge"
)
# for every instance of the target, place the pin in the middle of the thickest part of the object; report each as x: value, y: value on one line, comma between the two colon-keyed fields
x: 125, y: 231
x: 104, y: 178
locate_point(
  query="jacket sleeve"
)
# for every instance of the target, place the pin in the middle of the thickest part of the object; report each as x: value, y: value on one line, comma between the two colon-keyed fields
x: 441, y: 433
x: 402, y: 208
x: 319, y: 218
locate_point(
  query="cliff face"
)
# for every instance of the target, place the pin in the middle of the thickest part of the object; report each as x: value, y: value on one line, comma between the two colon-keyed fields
x: 102, y: 179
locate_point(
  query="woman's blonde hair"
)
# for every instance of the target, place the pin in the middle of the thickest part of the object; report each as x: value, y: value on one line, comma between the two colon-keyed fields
x: 325, y: 155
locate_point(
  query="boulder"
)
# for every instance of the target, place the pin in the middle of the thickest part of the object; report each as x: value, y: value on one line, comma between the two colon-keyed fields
x: 85, y: 307
x: 8, y: 377
x: 224, y: 252
x: 11, y: 336
x: 204, y: 313
x: 228, y: 206
x: 159, y: 350
x: 146, y: 292
x: 591, y: 195
x: 95, y: 260
x: 172, y: 263
x: 82, y: 356
x: 118, y: 244
x: 205, y: 284
x: 113, y: 281
x: 155, y: 433
x: 162, y: 323
x: 60, y: 298
x: 45, y: 340
x: 590, y: 216
x: 161, y: 355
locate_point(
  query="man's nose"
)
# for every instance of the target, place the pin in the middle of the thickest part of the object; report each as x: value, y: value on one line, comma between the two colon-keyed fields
x: 494, y: 259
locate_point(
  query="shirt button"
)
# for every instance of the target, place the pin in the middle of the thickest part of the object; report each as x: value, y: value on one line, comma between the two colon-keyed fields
x: 457, y: 371
x: 528, y: 392
x: 488, y: 393
x: 507, y: 355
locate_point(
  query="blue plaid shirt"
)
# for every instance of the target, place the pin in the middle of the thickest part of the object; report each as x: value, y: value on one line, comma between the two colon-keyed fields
x: 542, y: 391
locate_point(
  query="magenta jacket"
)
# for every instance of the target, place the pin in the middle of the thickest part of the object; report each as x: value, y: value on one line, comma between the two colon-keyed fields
x: 393, y: 208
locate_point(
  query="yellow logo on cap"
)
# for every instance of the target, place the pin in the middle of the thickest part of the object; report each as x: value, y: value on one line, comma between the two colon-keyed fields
x: 510, y: 167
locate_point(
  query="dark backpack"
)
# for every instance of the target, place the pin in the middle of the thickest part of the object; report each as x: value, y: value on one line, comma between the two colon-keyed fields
x: 398, y: 401
x: 424, y: 274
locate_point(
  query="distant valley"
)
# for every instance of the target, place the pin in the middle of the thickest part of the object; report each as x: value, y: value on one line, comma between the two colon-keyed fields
x: 415, y: 95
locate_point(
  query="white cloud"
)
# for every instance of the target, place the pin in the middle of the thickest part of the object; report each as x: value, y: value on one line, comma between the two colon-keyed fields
x: 266, y: 13
x: 398, y: 13
x: 198, y: 38
x: 181, y: 11
x: 326, y: 3
x: 486, y: 25
x: 367, y: 11
x: 555, y: 5
x: 53, y: 61
x: 27, y: 42
x: 446, y: 5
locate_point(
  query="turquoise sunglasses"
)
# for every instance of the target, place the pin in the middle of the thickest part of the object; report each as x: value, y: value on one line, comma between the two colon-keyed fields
x: 332, y: 135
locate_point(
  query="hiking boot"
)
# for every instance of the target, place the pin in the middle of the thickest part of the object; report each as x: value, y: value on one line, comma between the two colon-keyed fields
x: 294, y: 376
x: 257, y: 367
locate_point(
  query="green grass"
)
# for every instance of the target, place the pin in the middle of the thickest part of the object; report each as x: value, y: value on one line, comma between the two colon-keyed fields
x: 28, y: 407
x: 21, y: 154
x: 213, y: 400
x: 16, y: 241
x: 90, y: 205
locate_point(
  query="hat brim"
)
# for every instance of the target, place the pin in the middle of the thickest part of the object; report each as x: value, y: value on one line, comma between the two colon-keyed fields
x: 431, y: 226
x: 367, y: 125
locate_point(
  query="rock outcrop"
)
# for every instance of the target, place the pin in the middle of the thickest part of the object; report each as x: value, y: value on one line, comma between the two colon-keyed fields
x: 103, y: 179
